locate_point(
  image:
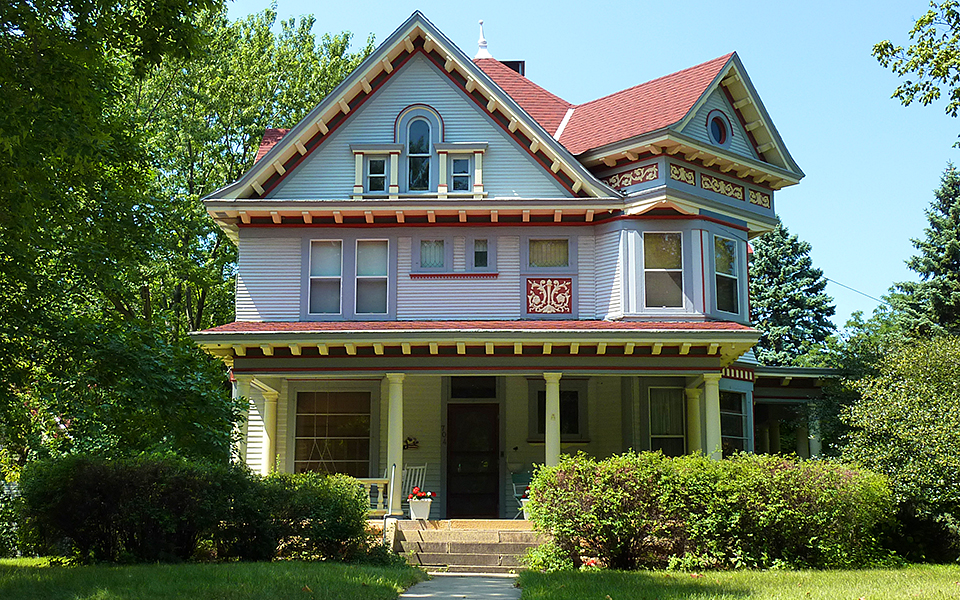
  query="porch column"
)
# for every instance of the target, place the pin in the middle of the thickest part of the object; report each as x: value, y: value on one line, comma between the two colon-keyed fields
x: 803, y: 442
x: 269, y: 432
x: 694, y: 445
x: 551, y: 429
x: 395, y: 437
x: 241, y: 389
x: 711, y: 388
x: 815, y: 446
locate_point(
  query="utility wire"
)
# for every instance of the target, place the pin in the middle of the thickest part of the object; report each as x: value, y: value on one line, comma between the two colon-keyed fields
x: 857, y: 291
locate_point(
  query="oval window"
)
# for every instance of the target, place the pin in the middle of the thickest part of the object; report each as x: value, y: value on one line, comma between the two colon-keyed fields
x: 718, y: 130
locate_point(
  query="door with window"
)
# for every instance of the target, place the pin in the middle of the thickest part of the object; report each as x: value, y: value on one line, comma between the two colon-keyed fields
x: 473, y: 450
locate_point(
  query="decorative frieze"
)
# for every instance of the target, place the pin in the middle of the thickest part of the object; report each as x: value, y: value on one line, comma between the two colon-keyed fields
x: 759, y: 198
x: 720, y: 186
x: 550, y: 296
x: 678, y: 173
x: 634, y: 176
x: 735, y: 373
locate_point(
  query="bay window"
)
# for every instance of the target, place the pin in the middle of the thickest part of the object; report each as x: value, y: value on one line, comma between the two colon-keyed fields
x: 663, y: 270
x: 725, y: 268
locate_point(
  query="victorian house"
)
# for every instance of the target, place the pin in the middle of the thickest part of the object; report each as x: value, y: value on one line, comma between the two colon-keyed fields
x: 444, y: 264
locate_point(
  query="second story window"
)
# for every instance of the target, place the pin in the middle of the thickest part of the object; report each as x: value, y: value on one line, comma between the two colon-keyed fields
x: 377, y: 175
x: 418, y: 155
x: 546, y: 254
x: 326, y: 268
x: 432, y: 254
x: 663, y: 270
x: 725, y: 267
x: 372, y: 275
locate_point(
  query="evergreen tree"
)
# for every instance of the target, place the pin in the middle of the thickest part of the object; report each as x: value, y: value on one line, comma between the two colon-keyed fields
x: 932, y: 305
x: 788, y: 302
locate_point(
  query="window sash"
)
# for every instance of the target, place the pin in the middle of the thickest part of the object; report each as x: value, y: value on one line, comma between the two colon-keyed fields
x: 663, y: 270
x: 326, y: 268
x: 432, y: 254
x: 733, y: 421
x: 726, y: 274
x: 372, y: 277
x: 345, y: 448
x: 377, y: 175
x: 481, y: 254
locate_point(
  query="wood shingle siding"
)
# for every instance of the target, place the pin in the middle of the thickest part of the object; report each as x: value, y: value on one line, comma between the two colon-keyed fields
x: 268, y: 279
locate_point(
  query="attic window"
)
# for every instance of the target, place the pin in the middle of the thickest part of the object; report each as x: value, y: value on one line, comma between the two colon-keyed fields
x: 718, y: 128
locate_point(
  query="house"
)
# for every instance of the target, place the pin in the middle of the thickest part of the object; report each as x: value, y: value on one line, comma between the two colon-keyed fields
x: 444, y: 264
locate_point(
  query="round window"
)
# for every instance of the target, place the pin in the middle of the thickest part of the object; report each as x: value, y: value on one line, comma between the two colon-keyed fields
x: 718, y: 130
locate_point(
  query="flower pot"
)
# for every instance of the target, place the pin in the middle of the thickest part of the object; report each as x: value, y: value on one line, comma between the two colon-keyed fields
x: 420, y: 509
x: 526, y: 512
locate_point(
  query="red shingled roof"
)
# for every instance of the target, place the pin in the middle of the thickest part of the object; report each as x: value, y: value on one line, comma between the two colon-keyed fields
x: 270, y: 139
x: 640, y: 109
x: 546, y: 108
x: 467, y: 326
x: 619, y: 116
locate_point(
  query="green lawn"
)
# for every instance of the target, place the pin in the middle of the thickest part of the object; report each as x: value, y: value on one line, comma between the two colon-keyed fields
x: 32, y: 580
x: 923, y: 582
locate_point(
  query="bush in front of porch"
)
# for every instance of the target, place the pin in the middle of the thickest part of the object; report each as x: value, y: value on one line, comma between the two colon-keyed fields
x: 644, y: 510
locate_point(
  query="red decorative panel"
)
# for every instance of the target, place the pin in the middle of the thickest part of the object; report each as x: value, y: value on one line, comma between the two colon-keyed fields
x: 550, y: 296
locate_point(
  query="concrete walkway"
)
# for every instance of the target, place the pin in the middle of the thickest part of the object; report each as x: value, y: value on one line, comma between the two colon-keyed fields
x: 471, y: 587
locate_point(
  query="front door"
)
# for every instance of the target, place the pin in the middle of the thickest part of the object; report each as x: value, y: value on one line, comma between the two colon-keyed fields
x: 473, y: 461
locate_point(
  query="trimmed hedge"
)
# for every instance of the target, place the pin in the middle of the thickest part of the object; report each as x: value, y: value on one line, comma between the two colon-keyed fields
x: 163, y: 508
x: 644, y: 510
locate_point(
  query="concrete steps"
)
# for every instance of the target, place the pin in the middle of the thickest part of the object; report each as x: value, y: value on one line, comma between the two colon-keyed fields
x: 466, y: 545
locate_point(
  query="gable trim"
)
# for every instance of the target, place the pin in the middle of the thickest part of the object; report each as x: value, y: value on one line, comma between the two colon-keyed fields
x: 417, y: 35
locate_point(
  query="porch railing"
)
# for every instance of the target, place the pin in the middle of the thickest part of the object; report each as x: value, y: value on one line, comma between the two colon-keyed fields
x: 377, y: 489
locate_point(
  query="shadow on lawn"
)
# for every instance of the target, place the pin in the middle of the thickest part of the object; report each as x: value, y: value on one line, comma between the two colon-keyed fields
x: 237, y: 581
x: 618, y: 585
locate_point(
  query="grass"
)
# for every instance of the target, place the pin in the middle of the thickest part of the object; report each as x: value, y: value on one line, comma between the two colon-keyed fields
x: 34, y: 579
x: 925, y: 582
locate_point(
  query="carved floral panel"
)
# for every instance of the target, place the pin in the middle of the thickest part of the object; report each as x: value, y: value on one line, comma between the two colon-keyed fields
x: 678, y: 173
x: 550, y: 296
x: 759, y: 198
x: 634, y: 176
x: 720, y: 186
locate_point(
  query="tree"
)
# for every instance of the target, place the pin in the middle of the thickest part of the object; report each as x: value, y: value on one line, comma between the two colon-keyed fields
x: 906, y: 425
x: 932, y: 305
x: 933, y: 58
x: 788, y: 302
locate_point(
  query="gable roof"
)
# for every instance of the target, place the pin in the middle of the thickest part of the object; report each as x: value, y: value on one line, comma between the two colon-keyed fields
x: 415, y: 35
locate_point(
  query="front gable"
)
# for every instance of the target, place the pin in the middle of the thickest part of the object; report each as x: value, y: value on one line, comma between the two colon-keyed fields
x: 508, y: 170
x: 716, y: 105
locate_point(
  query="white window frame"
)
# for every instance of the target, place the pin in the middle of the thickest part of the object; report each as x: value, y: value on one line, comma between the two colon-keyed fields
x: 735, y: 277
x: 653, y: 436
x: 369, y: 175
x: 452, y: 175
x: 743, y: 419
x: 357, y: 277
x: 324, y: 277
x: 682, y: 270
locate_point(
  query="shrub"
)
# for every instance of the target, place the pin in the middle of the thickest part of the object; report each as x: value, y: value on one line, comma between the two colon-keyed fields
x: 10, y: 503
x: 647, y: 511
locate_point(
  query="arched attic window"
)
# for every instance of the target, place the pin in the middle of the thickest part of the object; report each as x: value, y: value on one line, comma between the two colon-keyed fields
x: 418, y: 129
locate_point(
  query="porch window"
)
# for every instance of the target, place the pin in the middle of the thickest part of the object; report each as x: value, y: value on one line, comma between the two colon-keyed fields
x: 663, y: 270
x: 725, y: 267
x: 333, y: 433
x: 573, y: 410
x: 372, y: 276
x: 326, y: 267
x: 733, y: 430
x: 667, y: 423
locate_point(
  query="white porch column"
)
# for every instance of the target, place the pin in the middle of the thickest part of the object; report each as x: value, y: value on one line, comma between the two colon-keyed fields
x: 395, y: 437
x: 711, y: 388
x: 816, y: 447
x: 241, y: 389
x: 269, y: 433
x: 694, y: 445
x: 551, y: 429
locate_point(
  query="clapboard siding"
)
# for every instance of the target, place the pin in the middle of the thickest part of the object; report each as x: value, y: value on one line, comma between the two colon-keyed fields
x: 586, y: 267
x: 453, y: 299
x: 268, y: 279
x: 697, y: 126
x: 459, y: 254
x: 507, y: 170
x: 609, y: 276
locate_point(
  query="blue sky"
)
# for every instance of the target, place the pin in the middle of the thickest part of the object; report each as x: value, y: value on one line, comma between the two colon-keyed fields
x: 871, y: 164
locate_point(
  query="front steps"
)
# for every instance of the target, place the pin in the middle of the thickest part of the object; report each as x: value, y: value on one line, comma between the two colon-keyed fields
x: 466, y: 546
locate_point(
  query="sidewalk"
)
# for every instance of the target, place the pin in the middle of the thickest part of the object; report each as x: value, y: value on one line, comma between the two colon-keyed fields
x: 470, y: 587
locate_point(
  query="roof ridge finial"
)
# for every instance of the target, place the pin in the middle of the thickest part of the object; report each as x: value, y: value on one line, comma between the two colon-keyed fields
x: 482, y: 51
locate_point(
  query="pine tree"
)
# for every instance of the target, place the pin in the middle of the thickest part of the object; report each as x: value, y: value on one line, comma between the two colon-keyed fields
x: 932, y: 305
x: 788, y: 302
